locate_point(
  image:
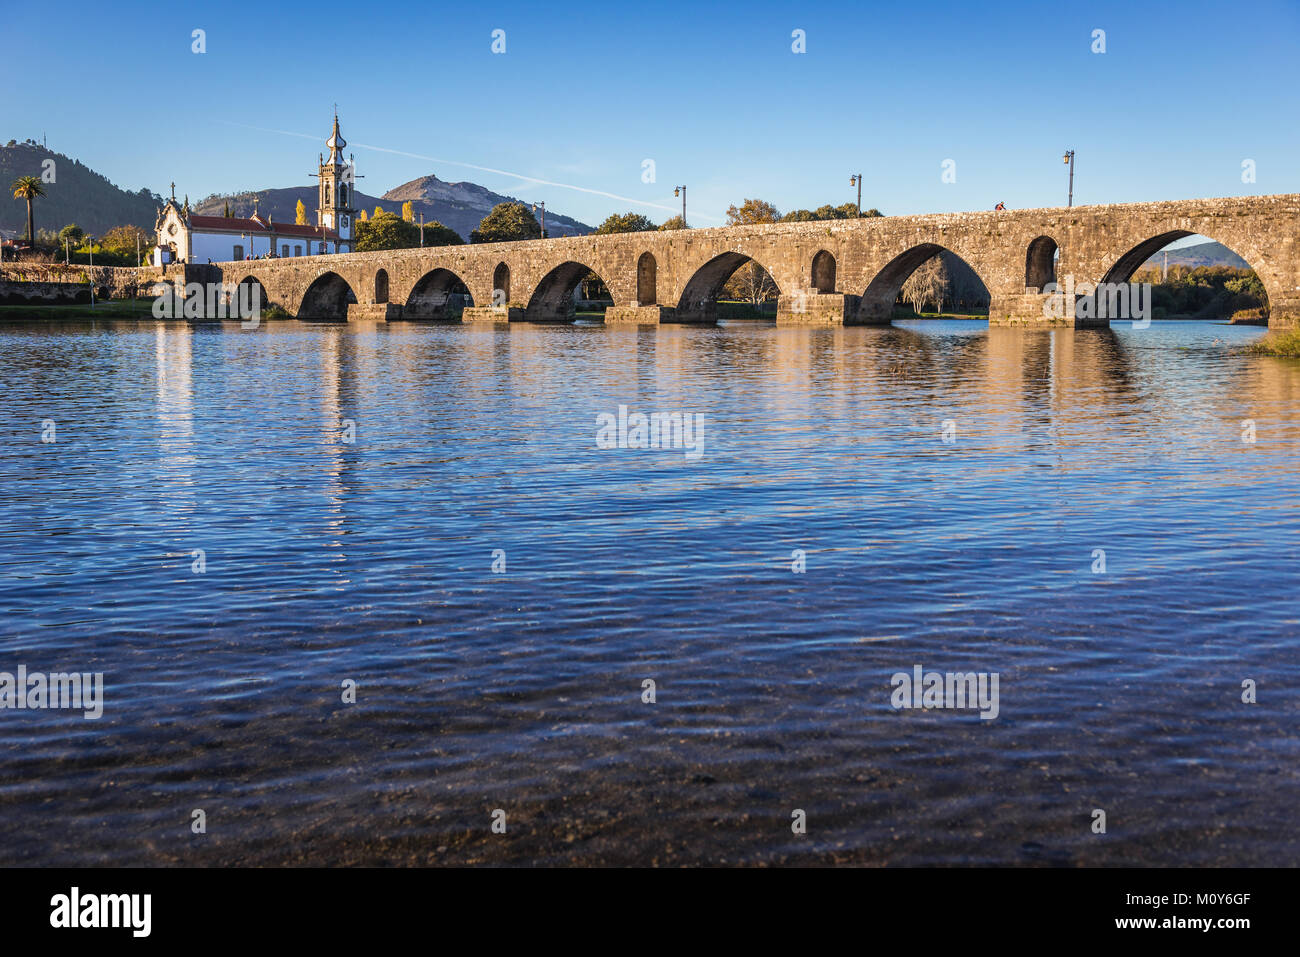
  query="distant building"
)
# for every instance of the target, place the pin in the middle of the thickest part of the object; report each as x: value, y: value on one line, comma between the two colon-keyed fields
x: 193, y: 238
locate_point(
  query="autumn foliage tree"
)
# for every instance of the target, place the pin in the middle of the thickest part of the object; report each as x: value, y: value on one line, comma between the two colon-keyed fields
x: 300, y: 214
x: 752, y: 212
x: 122, y: 240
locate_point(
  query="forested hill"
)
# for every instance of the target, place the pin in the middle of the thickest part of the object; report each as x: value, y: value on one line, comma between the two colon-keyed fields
x: 77, y: 195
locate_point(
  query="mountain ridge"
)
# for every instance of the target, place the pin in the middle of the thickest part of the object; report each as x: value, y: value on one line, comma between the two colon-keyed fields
x: 459, y: 206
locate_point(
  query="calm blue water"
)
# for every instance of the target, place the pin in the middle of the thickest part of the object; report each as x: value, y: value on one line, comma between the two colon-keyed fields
x: 372, y: 561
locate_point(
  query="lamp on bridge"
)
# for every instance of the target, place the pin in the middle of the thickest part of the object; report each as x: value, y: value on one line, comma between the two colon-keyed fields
x: 681, y: 191
x: 543, y: 206
x: 1069, y: 158
x: 856, y: 179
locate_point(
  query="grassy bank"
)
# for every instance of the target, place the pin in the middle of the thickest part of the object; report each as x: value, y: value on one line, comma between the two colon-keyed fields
x: 104, y: 309
x: 1284, y: 343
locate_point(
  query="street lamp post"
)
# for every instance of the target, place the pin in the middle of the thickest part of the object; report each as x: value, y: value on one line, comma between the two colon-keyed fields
x: 856, y: 179
x: 421, y: 229
x: 681, y: 191
x: 543, y: 207
x: 90, y: 242
x: 1069, y: 158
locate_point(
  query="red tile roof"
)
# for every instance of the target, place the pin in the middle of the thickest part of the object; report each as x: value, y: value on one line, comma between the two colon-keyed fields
x: 232, y: 224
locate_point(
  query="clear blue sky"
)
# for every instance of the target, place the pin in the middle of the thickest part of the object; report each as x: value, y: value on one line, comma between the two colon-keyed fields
x: 586, y: 91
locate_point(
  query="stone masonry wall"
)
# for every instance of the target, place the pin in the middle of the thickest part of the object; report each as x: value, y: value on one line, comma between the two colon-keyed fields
x: 872, y: 259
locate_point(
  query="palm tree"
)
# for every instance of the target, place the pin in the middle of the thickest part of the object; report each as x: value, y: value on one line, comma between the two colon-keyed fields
x: 28, y: 188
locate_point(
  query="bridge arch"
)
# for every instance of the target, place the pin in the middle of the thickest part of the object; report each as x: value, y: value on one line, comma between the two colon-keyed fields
x: 647, y: 277
x: 501, y: 285
x: 699, y: 298
x: 328, y: 297
x: 878, y: 300
x: 1040, y: 263
x: 1127, y: 264
x: 248, y: 290
x: 552, y: 300
x: 438, y: 294
x: 823, y: 272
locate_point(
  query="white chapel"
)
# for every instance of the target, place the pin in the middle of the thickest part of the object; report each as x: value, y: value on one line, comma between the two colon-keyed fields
x: 188, y: 237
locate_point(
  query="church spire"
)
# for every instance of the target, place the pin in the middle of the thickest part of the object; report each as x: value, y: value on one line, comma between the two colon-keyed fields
x: 336, y: 143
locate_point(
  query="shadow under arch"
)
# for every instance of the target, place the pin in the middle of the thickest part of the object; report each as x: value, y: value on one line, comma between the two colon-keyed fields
x: 500, y: 285
x: 877, y: 305
x: 439, y: 294
x: 699, y: 298
x: 327, y: 298
x: 1040, y: 263
x: 647, y: 278
x: 552, y: 300
x: 248, y: 293
x: 823, y: 272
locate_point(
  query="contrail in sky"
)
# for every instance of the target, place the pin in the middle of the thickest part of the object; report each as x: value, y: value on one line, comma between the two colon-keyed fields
x: 483, y: 169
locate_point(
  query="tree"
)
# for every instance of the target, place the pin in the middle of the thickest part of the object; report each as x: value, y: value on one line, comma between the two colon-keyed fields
x: 300, y: 214
x: 379, y: 211
x: 386, y: 231
x: 226, y: 213
x: 625, y: 223
x: 122, y: 240
x: 436, y: 234
x: 363, y: 217
x: 71, y: 234
x: 927, y: 284
x: 408, y: 212
x: 507, y: 222
x: 750, y: 283
x: 28, y: 188
x: 675, y: 222
x: 751, y: 212
x: 843, y: 211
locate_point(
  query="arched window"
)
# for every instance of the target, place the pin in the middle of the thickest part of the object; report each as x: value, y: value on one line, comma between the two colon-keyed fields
x: 327, y: 194
x: 823, y: 272
x: 381, y: 286
x: 343, y: 195
x: 646, y: 278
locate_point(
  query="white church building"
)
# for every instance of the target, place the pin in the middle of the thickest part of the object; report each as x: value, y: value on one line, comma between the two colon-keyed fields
x: 188, y: 237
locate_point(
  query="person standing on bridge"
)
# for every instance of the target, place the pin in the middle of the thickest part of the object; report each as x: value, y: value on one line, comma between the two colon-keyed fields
x: 1000, y: 207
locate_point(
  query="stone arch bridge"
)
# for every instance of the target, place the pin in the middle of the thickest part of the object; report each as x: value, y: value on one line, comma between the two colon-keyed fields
x: 827, y: 272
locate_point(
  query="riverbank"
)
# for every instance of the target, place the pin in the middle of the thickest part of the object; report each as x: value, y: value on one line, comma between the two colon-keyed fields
x: 104, y: 308
x: 1283, y: 343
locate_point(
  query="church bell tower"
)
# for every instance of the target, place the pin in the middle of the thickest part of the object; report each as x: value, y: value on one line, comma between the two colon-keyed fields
x: 334, y: 207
